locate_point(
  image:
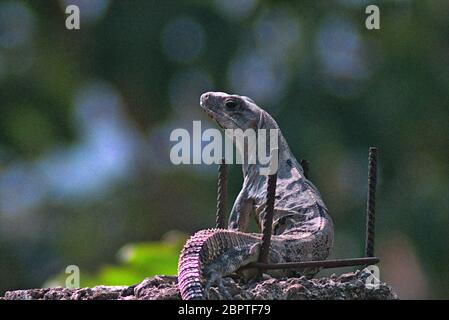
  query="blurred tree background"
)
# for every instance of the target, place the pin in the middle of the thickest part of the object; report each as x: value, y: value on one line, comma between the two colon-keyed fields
x: 85, y: 119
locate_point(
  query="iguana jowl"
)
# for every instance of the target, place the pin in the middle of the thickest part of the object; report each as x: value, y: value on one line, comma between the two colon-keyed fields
x: 302, y: 228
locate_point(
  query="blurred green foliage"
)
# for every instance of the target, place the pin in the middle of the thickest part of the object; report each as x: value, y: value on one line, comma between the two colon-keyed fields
x: 136, y: 261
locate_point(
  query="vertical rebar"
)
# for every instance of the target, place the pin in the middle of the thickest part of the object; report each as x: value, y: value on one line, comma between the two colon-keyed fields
x: 305, y: 167
x: 268, y: 220
x: 222, y: 194
x: 371, y: 202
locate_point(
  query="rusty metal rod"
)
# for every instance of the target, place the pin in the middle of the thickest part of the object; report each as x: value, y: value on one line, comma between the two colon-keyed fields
x: 269, y: 210
x: 222, y: 194
x: 325, y: 264
x: 268, y: 219
x: 371, y: 202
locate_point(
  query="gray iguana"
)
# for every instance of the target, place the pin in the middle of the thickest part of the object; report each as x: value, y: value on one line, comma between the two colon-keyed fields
x: 302, y: 228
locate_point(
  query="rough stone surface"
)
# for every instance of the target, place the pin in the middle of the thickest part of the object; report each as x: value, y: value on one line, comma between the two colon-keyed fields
x: 344, y: 287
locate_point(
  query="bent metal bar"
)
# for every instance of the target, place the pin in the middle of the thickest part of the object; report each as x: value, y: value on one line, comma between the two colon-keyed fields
x: 262, y: 263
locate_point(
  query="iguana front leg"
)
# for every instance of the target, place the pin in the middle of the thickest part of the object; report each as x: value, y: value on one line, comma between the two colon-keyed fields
x: 241, y: 212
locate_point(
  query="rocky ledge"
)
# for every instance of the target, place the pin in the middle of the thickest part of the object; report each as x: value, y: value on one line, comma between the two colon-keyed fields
x: 348, y: 286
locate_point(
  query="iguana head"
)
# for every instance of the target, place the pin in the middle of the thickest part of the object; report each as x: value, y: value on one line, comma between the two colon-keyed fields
x: 232, y: 111
x: 235, y: 112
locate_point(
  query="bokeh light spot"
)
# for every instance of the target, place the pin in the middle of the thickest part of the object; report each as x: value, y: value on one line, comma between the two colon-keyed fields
x: 236, y: 8
x: 16, y: 24
x: 183, y: 39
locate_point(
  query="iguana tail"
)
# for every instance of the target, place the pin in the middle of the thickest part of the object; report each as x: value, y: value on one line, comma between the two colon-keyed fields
x: 202, y: 250
x: 212, y: 254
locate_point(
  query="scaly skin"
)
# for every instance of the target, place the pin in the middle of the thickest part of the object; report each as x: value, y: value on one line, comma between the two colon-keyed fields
x: 302, y: 228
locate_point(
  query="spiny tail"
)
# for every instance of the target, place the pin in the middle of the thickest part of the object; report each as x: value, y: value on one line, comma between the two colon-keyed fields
x: 189, y: 267
x: 200, y: 250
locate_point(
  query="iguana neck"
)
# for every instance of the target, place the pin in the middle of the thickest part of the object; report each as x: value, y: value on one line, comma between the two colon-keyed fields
x: 286, y: 159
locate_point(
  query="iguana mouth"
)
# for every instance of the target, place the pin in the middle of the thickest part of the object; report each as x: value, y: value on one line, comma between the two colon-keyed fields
x: 212, y: 114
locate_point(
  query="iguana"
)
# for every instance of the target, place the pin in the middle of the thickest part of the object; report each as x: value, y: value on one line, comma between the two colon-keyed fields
x: 302, y: 228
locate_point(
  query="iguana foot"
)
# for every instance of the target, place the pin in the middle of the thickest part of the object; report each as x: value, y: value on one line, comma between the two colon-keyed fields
x: 216, y: 279
x: 226, y: 264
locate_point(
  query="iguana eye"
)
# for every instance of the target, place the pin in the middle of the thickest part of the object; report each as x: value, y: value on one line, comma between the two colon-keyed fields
x: 231, y: 103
